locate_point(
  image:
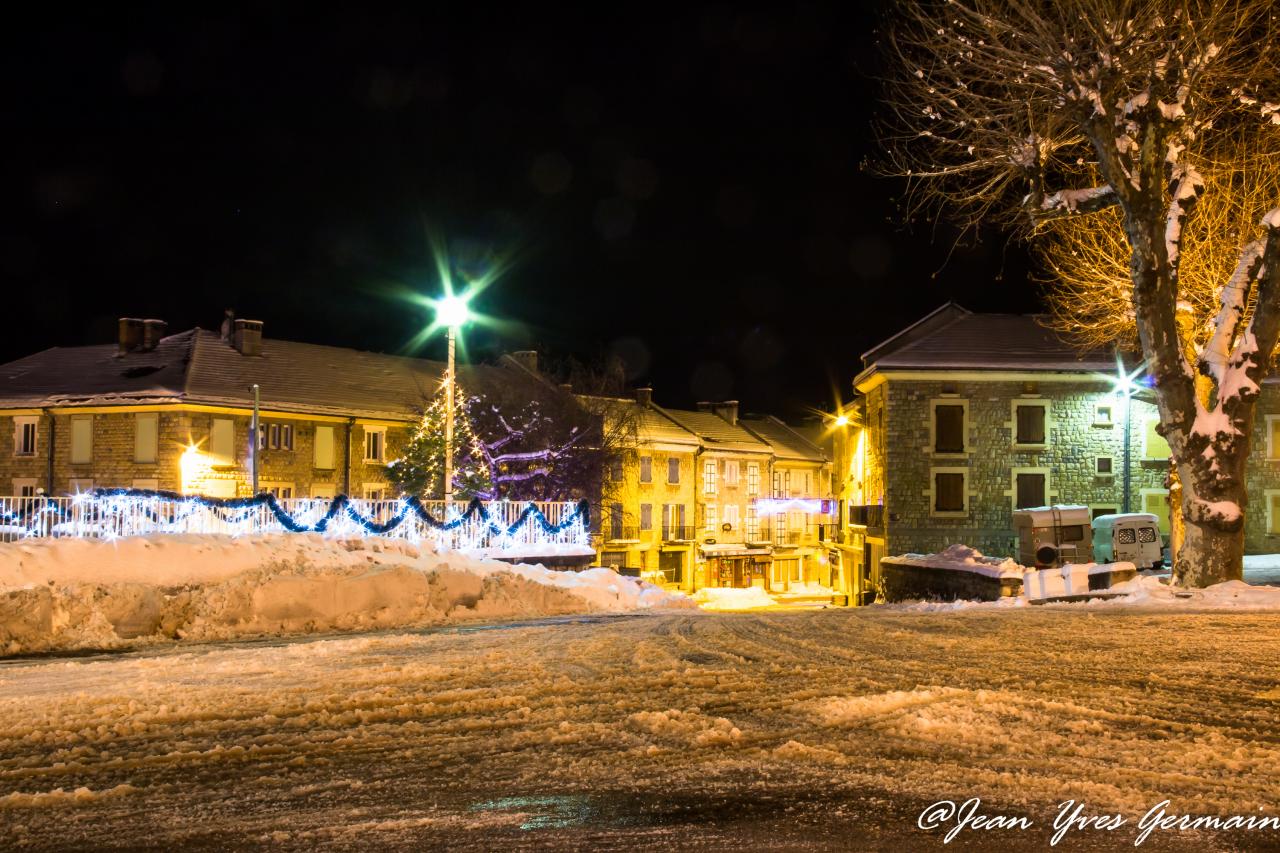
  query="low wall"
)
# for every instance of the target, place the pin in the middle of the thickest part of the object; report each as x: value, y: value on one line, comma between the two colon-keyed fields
x: 902, y: 581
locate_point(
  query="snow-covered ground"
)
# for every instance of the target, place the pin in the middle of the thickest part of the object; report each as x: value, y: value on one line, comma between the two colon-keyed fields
x: 62, y: 594
x: 819, y: 729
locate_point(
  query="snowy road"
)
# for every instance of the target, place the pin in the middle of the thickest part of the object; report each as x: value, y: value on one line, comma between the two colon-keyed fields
x: 802, y: 730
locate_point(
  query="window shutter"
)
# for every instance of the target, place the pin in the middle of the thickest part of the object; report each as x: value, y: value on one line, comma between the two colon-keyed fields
x: 81, y: 440
x: 1030, y: 424
x: 1156, y: 447
x: 145, y: 436
x: 673, y: 470
x: 1030, y: 490
x: 646, y: 469
x: 324, y: 447
x: 948, y: 492
x: 948, y: 430
x: 1273, y: 517
x: 222, y: 441
x: 646, y: 516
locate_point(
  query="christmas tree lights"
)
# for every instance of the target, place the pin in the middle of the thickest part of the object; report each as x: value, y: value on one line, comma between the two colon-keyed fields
x: 420, y: 468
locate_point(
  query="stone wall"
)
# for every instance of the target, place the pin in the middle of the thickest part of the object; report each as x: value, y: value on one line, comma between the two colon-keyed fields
x: 1074, y: 439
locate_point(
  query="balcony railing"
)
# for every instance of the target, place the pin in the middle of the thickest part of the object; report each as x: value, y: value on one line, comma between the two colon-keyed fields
x: 867, y: 515
x: 679, y: 533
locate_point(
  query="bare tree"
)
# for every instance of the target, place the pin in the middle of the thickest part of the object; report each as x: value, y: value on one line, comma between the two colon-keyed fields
x: 1029, y: 112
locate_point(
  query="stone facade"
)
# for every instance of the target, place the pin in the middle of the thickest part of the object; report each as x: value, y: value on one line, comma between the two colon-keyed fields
x: 1077, y: 434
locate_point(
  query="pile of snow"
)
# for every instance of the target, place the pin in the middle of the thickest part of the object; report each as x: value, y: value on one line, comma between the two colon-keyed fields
x: 60, y: 594
x: 729, y: 598
x: 963, y: 558
x: 1144, y: 591
x: 1068, y: 579
x: 808, y: 589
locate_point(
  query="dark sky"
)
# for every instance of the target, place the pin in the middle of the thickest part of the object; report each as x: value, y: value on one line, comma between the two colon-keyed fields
x: 681, y: 187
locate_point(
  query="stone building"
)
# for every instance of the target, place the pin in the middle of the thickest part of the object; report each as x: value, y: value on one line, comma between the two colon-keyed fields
x: 174, y: 412
x: 962, y: 418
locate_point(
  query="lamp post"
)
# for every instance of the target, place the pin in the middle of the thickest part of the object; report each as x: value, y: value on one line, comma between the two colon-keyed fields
x: 451, y: 312
x: 1124, y: 382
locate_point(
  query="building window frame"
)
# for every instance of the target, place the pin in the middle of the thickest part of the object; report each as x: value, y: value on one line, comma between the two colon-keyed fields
x: 646, y: 516
x: 1147, y: 429
x: 1097, y: 468
x: 321, y: 448
x: 375, y: 445
x: 931, y: 492
x: 710, y: 476
x: 81, y: 440
x: 710, y: 518
x: 26, y: 427
x: 1107, y: 420
x: 1050, y: 494
x: 753, y: 479
x: 1273, y: 516
x: 732, y: 472
x: 1144, y: 493
x: 1012, y: 425
x: 279, y: 490
x: 673, y: 470
x: 966, y: 447
x: 646, y: 469
x: 1111, y: 509
x: 25, y: 487
x: 1273, y: 446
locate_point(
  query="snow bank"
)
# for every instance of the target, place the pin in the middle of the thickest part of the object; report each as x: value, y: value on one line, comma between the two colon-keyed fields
x: 1143, y: 591
x: 728, y: 598
x: 963, y: 558
x: 76, y: 593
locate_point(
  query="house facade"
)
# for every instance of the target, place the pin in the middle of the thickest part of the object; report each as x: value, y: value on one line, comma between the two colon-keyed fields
x: 962, y: 418
x: 174, y: 412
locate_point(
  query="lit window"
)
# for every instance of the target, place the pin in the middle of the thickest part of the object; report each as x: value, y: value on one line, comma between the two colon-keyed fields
x: 375, y: 441
x: 753, y: 479
x: 709, y: 477
x: 24, y: 436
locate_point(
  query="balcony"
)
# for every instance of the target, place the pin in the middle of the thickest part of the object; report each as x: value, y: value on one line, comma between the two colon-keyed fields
x: 679, y: 534
x: 621, y: 533
x: 867, y: 515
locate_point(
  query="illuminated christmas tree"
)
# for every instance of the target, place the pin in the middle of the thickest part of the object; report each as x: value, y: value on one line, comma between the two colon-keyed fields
x: 420, y: 468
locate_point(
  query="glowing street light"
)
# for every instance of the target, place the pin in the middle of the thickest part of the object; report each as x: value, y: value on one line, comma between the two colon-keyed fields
x: 1125, y: 385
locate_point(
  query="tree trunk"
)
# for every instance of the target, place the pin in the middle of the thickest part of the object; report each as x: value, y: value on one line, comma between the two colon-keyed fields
x: 1208, y: 555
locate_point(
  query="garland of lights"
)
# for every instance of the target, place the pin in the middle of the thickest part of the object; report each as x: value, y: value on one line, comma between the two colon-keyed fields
x: 337, y: 507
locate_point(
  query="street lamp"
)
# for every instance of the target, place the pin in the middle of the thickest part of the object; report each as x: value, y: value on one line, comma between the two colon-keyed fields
x: 452, y: 313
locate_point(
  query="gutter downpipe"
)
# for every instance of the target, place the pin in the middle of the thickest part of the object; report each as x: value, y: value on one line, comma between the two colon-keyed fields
x: 52, y: 440
x: 346, y: 459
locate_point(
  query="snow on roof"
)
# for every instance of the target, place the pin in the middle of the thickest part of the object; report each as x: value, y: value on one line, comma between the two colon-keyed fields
x: 786, y: 441
x: 959, y: 339
x: 198, y: 366
x: 715, y: 431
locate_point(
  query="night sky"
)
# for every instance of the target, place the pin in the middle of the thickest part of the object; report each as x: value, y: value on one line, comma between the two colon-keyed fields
x: 680, y: 187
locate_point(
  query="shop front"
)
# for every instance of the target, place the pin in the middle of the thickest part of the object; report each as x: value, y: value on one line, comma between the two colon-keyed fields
x: 736, y: 565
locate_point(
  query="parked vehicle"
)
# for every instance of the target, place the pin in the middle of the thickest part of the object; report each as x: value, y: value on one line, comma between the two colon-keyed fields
x: 1132, y: 537
x: 1053, y: 535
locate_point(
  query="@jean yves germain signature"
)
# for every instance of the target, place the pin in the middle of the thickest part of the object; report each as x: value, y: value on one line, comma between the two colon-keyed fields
x: 1073, y: 817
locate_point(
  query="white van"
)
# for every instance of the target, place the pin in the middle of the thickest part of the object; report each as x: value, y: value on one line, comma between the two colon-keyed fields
x: 1131, y: 537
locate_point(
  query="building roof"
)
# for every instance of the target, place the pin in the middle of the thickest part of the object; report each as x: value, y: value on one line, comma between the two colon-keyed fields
x: 715, y: 432
x: 787, y: 442
x: 954, y: 338
x: 199, y: 367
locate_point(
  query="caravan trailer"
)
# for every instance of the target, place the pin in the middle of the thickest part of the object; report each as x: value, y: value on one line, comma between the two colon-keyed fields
x: 1131, y: 537
x: 1053, y: 535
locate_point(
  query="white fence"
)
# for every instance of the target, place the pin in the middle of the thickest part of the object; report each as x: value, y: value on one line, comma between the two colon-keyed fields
x: 492, y: 525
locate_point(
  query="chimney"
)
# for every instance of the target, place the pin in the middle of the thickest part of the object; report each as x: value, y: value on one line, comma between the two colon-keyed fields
x: 152, y: 332
x: 248, y: 337
x: 644, y: 396
x: 726, y: 409
x: 528, y: 359
x: 130, y: 334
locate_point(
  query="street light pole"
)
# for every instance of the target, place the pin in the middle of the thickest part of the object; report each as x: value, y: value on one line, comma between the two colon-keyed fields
x: 1128, y: 433
x: 448, y: 426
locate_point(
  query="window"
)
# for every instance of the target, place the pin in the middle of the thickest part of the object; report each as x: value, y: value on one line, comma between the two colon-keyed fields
x: 275, y: 436
x: 710, y: 518
x: 24, y: 436
x: 1273, y: 436
x: 1104, y: 466
x: 753, y: 479
x: 1273, y: 510
x: 777, y: 484
x: 24, y: 487
x: 1029, y: 490
x: 673, y: 522
x: 948, y: 428
x: 786, y: 484
x: 614, y: 470
x: 1154, y: 446
x: 1104, y: 415
x: 146, y: 437
x: 286, y: 437
x: 731, y: 515
x: 646, y: 516
x: 375, y: 445
x: 222, y: 441
x: 323, y: 490
x: 753, y: 522
x: 646, y: 469
x: 1029, y: 423
x: 80, y: 485
x: 149, y: 484
x: 673, y: 470
x: 1096, y: 510
x: 948, y: 492
x: 281, y: 491
x: 731, y: 472
x: 615, y: 521
x: 375, y: 491
x: 324, y: 447
x: 709, y: 477
x: 82, y: 440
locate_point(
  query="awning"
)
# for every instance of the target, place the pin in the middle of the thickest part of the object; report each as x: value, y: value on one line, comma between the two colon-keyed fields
x: 734, y: 549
